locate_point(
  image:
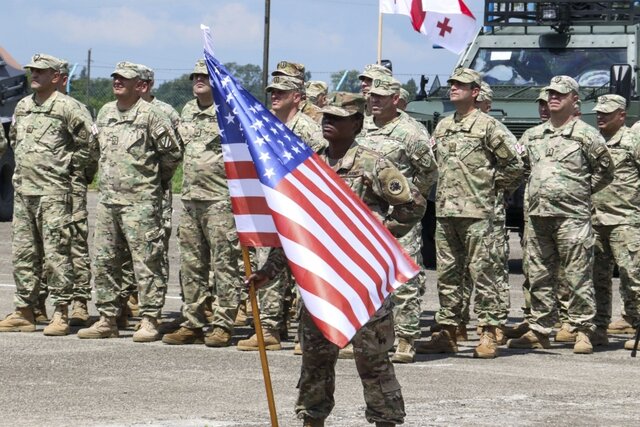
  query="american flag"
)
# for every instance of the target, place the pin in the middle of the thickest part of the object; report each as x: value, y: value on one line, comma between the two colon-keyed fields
x: 344, y: 260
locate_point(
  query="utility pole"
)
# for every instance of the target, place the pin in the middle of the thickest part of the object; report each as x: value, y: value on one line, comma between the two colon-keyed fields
x: 88, y: 75
x: 265, y: 49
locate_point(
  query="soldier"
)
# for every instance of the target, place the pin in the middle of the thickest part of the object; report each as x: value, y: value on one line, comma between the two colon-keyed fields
x: 372, y: 71
x: 369, y: 176
x: 476, y: 163
x: 391, y: 133
x: 207, y: 237
x: 138, y: 155
x: 485, y: 98
x: 286, y: 97
x: 50, y: 137
x: 616, y: 219
x: 403, y: 99
x: 543, y: 105
x: 568, y: 162
x: 296, y: 71
x: 317, y: 91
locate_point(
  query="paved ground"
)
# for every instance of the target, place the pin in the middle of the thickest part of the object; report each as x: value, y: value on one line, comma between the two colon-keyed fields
x: 66, y: 381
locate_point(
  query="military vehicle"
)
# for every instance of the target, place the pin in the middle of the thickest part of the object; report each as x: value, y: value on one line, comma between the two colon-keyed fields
x: 13, y: 87
x: 521, y: 47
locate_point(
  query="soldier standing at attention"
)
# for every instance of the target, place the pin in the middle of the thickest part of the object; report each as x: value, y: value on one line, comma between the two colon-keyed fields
x: 476, y: 164
x: 616, y: 219
x: 371, y: 177
x: 403, y: 143
x: 138, y: 155
x: 568, y: 162
x: 50, y: 136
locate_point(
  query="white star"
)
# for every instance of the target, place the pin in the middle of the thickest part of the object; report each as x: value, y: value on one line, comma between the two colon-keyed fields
x: 256, y: 125
x: 216, y: 107
x: 225, y: 81
x: 280, y: 126
x: 235, y: 110
x: 259, y: 107
x: 230, y: 118
x: 266, y: 138
x: 281, y: 142
x: 301, y: 144
x: 252, y: 109
x: 216, y: 70
x: 229, y: 97
x: 273, y: 130
x: 266, y: 119
x: 269, y: 173
x: 259, y: 141
x: 221, y: 132
x: 287, y: 155
x: 287, y: 137
x: 296, y: 149
x: 265, y: 156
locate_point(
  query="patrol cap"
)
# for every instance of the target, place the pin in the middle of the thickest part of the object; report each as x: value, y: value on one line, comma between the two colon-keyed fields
x: 345, y: 104
x: 126, y: 69
x: 199, y: 68
x: 291, y: 69
x: 543, y: 95
x: 316, y: 87
x: 404, y: 94
x: 285, y: 83
x: 465, y: 75
x: 486, y: 93
x: 145, y: 72
x: 375, y: 71
x: 42, y: 61
x: 385, y: 86
x: 563, y: 84
x: 64, y: 67
x: 610, y: 103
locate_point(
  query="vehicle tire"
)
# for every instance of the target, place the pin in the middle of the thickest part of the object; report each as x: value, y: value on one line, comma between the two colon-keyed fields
x: 429, y: 236
x: 7, y: 164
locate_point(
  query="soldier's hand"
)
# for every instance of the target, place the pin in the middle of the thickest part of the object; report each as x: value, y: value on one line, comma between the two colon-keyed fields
x: 259, y: 279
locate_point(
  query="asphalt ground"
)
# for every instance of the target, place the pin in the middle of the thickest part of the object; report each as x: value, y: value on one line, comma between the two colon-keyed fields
x: 65, y: 381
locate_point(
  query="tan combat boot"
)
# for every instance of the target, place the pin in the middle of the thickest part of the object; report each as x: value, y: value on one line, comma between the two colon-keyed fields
x: 148, y: 331
x: 313, y: 422
x: 79, y: 313
x: 531, y: 339
x: 405, y: 351
x: 40, y: 312
x: 132, y: 305
x: 105, y: 327
x: 271, y: 341
x: 620, y: 326
x: 346, y: 352
x: 501, y: 338
x: 488, y: 348
x: 565, y: 334
x: 600, y: 338
x: 461, y: 331
x: 628, y: 344
x: 184, y: 335
x: 583, y: 344
x: 297, y: 349
x: 515, y: 331
x: 241, y: 317
x: 21, y: 320
x: 218, y: 338
x: 59, y: 325
x: 440, y: 342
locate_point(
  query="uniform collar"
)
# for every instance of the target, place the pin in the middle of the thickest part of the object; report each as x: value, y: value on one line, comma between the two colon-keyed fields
x: 615, y: 139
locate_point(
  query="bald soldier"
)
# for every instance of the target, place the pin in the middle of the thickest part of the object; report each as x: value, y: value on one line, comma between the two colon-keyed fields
x: 51, y: 129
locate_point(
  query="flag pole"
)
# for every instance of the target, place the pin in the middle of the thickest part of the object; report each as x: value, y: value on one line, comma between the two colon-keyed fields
x: 379, y: 37
x: 258, y: 327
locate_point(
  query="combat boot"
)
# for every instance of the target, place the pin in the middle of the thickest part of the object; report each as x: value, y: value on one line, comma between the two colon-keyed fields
x: 461, y: 331
x: 59, y: 325
x: 241, y: 317
x: 501, y: 338
x: 218, y: 338
x: 531, y: 339
x: 122, y: 320
x: 40, y: 312
x: 628, y: 344
x: 79, y: 313
x: 620, y: 326
x: 105, y: 327
x: 148, y: 331
x: 171, y: 326
x: 132, y: 305
x: 384, y: 424
x: 405, y: 351
x: 271, y: 341
x: 583, y: 344
x: 21, y: 320
x: 297, y: 349
x: 565, y: 334
x: 346, y: 352
x: 440, y: 342
x: 208, y: 310
x: 312, y: 422
x: 600, y: 338
x: 184, y: 336
x: 488, y: 348
x: 515, y: 331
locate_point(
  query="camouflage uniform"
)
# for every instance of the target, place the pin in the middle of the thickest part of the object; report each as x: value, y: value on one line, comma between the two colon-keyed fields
x: 566, y: 166
x: 138, y: 156
x: 476, y: 164
x: 56, y: 134
x: 616, y: 221
x: 313, y: 111
x: 403, y: 143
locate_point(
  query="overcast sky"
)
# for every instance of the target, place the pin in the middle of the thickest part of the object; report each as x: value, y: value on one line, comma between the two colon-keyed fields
x: 325, y: 35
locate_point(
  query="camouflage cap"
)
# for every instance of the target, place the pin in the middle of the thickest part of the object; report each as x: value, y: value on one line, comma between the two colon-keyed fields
x: 404, y: 94
x: 42, y: 61
x: 543, y: 95
x: 385, y: 86
x: 345, y: 104
x: 199, y: 68
x: 291, y: 69
x: 486, y: 93
x: 285, y: 83
x: 64, y: 67
x: 145, y: 72
x: 128, y: 70
x: 465, y: 75
x: 316, y: 87
x: 563, y: 84
x: 375, y: 71
x: 610, y: 103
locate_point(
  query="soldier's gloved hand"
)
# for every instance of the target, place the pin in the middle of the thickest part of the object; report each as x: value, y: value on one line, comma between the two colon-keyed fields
x: 259, y: 279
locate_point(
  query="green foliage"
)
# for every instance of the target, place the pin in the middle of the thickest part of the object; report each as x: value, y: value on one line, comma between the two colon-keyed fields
x: 351, y: 82
x: 175, y: 92
x: 411, y: 87
x: 249, y: 75
x: 176, y: 181
x: 100, y: 92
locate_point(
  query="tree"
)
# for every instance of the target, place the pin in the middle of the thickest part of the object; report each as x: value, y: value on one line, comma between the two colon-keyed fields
x: 176, y: 92
x: 351, y: 82
x: 411, y: 87
x: 249, y: 75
